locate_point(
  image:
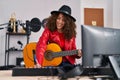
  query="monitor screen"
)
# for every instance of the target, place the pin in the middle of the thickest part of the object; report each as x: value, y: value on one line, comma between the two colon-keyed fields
x: 99, y: 41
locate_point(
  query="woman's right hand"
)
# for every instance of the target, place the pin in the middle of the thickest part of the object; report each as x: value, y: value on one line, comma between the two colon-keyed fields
x: 37, y: 66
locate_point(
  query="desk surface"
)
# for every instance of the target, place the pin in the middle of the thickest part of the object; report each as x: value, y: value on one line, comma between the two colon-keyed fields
x: 7, y: 75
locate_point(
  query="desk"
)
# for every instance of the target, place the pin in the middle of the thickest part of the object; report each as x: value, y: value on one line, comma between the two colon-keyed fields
x: 7, y: 75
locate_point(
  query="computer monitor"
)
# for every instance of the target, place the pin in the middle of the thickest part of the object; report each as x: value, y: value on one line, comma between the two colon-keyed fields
x: 99, y: 41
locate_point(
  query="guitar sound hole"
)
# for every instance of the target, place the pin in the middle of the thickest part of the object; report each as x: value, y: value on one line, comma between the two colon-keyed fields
x: 48, y: 55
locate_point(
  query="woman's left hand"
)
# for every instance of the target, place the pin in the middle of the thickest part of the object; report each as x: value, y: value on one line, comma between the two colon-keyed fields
x: 79, y: 53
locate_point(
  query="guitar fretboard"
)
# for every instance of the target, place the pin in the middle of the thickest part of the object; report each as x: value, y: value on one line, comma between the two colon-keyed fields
x: 64, y: 53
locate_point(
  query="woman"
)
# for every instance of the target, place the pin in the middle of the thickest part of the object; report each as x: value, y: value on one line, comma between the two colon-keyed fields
x: 60, y: 29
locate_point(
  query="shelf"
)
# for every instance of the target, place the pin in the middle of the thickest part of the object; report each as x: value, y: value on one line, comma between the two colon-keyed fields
x: 13, y: 50
x: 8, y: 50
x: 11, y: 33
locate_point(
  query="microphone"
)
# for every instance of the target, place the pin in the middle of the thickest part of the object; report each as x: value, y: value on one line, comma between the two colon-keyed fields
x: 20, y: 43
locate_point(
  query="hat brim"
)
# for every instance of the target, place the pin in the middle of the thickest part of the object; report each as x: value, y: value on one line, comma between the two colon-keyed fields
x: 63, y: 13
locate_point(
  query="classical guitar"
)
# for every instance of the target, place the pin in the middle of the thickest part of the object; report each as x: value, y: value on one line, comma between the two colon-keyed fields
x: 52, y: 57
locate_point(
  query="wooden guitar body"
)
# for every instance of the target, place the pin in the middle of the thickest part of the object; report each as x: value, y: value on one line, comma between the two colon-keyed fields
x: 28, y: 55
x: 54, y: 61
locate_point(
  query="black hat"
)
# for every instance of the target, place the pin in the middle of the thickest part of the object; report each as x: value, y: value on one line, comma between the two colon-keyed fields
x: 65, y: 10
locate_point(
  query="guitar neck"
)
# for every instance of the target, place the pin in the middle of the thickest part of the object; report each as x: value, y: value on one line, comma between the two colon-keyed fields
x: 64, y: 53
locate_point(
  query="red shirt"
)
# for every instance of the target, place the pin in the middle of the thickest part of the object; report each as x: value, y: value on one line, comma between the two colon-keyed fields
x: 54, y: 37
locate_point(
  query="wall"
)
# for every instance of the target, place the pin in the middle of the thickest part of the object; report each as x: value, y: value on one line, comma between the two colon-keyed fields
x: 105, y: 4
x: 28, y: 9
x: 116, y: 14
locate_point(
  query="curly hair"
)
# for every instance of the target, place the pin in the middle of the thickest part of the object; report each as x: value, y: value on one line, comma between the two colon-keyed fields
x: 69, y: 29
